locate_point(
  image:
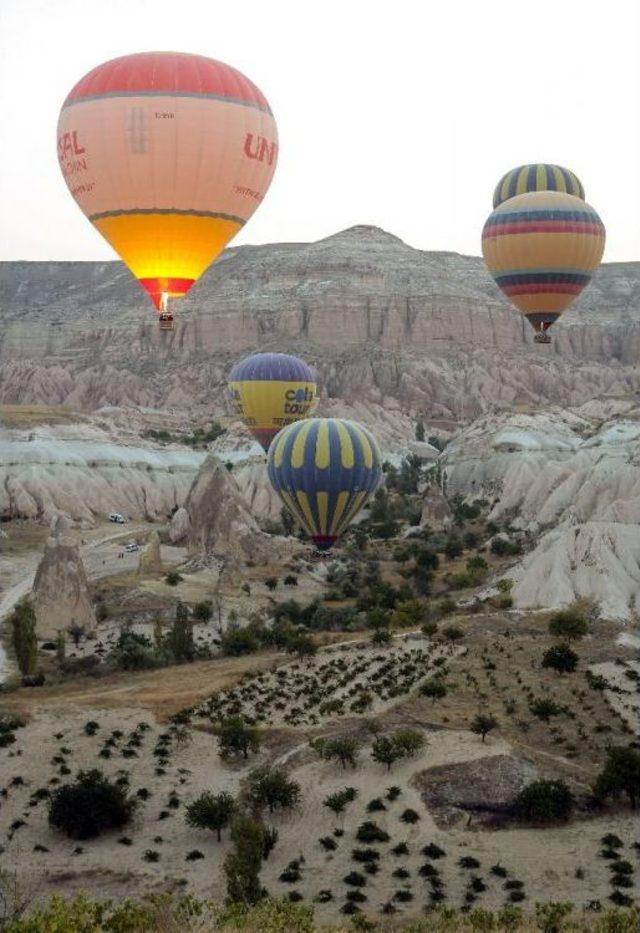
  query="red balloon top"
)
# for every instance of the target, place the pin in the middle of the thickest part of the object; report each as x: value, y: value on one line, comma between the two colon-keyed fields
x: 176, y: 73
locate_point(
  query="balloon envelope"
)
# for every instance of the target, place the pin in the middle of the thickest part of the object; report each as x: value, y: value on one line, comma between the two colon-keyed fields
x: 324, y: 470
x: 542, y: 249
x: 271, y: 390
x: 539, y: 176
x: 168, y: 155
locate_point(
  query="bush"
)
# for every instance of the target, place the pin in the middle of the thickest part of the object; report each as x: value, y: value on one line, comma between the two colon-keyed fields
x: 343, y: 748
x: 90, y: 805
x: 370, y: 832
x: 203, y: 611
x: 569, y: 623
x: 173, y: 578
x: 290, y: 580
x: 483, y: 724
x: 237, y: 641
x: 453, y: 633
x: 271, y: 583
x: 560, y: 658
x: 237, y: 738
x: 434, y: 688
x: 544, y: 802
x: 501, y: 547
x: 133, y: 651
x: 338, y: 800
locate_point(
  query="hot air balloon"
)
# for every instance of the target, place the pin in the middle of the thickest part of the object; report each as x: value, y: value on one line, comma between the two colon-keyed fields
x: 271, y: 390
x: 168, y: 155
x: 324, y: 470
x: 537, y: 177
x: 542, y: 249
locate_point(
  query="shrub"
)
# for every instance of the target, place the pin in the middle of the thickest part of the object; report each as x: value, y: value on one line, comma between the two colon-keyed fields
x: 89, y: 806
x: 560, y: 658
x: 338, y: 800
x: 433, y: 851
x: 203, y: 611
x: 370, y: 832
x: 569, y: 623
x: 271, y: 583
x: 544, y: 802
x: 237, y: 641
x: 453, y: 633
x: 290, y: 580
x: 355, y: 879
x: 23, y: 636
x: 409, y: 816
x: 173, y: 578
x: 434, y: 688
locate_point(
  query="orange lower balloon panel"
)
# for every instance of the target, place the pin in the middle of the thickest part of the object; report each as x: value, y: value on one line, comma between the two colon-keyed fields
x: 167, y: 252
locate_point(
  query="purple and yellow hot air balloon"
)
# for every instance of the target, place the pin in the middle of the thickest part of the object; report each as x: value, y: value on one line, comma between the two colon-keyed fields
x: 537, y: 176
x: 270, y: 391
x: 324, y: 470
x: 542, y: 249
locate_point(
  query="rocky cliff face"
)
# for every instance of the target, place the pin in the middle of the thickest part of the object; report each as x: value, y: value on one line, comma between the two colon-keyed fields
x: 381, y: 322
x: 60, y: 589
x: 573, y: 482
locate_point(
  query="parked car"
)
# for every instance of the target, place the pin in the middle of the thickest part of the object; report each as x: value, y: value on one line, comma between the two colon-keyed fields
x: 132, y: 547
x: 117, y: 518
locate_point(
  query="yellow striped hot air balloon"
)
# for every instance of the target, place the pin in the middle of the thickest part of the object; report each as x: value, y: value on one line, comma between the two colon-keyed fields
x: 542, y: 249
x: 324, y: 470
x: 539, y: 176
x: 168, y: 155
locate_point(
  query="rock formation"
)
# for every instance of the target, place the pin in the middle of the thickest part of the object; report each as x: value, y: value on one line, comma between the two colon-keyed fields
x: 60, y: 589
x: 180, y: 526
x: 380, y: 321
x: 150, y: 560
x: 484, y: 787
x: 435, y: 509
x: 220, y: 522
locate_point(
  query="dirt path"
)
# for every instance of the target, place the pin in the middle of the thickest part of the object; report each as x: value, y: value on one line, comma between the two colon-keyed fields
x: 163, y: 692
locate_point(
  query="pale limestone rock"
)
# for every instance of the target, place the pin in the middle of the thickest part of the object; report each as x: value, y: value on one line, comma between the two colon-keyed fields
x: 180, y: 525
x: 435, y: 509
x: 220, y: 521
x: 60, y: 589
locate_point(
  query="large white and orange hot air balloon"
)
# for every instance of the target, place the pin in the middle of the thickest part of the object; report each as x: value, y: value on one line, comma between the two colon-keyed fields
x: 168, y: 155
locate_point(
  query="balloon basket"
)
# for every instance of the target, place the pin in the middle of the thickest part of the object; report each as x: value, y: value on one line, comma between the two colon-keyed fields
x: 166, y: 322
x: 542, y: 338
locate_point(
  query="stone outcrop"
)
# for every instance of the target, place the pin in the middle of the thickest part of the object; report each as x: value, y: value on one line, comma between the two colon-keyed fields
x: 60, y: 589
x: 150, y: 560
x: 180, y: 526
x: 483, y: 789
x: 220, y: 522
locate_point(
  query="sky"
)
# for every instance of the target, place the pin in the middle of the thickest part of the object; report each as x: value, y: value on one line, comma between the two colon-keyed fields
x: 402, y: 114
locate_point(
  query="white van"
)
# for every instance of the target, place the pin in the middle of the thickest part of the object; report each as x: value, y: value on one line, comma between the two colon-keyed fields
x: 117, y: 518
x: 132, y: 546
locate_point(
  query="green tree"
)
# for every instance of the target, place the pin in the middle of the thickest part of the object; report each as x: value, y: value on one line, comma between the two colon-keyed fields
x: 620, y: 775
x: 409, y: 741
x: 237, y: 738
x: 544, y: 802
x: 560, y: 658
x: 211, y: 811
x: 483, y: 724
x: 23, y: 636
x: 420, y: 430
x: 242, y: 865
x: 385, y: 751
x: 342, y: 748
x: 236, y: 640
x: 381, y: 637
x: 434, y: 688
x: 408, y: 614
x: 271, y: 583
x: 270, y: 787
x: 180, y: 639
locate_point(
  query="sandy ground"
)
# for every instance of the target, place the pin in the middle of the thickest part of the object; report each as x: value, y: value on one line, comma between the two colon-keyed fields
x: 545, y: 860
x: 625, y: 697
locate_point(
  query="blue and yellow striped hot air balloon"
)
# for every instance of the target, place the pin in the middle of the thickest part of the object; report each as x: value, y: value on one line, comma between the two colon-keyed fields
x: 324, y: 470
x: 538, y: 176
x: 271, y: 390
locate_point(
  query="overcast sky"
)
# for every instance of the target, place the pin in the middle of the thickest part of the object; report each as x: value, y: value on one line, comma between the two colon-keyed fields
x: 402, y: 114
